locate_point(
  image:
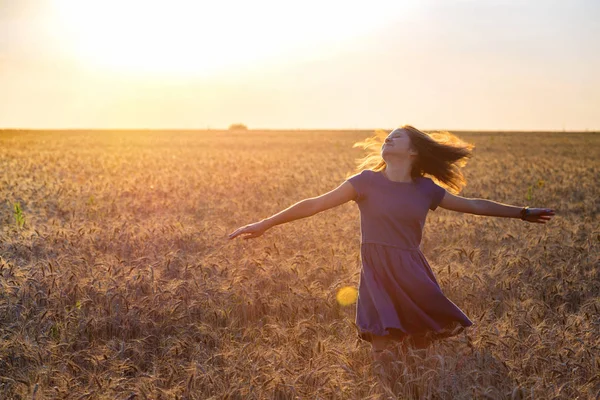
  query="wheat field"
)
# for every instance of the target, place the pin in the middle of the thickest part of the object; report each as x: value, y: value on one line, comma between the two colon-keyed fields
x: 117, y: 280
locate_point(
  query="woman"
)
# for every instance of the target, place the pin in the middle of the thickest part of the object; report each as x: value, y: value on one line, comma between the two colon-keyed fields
x: 398, y: 296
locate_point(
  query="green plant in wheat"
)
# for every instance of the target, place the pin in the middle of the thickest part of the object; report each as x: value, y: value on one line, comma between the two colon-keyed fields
x: 19, y: 217
x: 529, y: 194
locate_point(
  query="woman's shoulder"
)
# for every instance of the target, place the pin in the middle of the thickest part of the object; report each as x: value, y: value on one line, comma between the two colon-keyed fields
x: 424, y: 180
x: 364, y: 173
x: 430, y: 186
x: 426, y: 183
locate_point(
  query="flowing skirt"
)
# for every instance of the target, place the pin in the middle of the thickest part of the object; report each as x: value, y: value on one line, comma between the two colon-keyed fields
x: 399, y: 296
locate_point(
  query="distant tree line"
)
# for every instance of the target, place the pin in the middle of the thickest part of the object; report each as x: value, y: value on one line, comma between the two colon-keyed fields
x: 238, y: 127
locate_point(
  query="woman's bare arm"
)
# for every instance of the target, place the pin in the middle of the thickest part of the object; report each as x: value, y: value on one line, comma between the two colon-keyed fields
x: 305, y: 208
x: 493, y: 208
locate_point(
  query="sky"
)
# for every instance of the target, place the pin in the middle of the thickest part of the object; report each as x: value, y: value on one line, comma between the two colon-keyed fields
x: 314, y: 64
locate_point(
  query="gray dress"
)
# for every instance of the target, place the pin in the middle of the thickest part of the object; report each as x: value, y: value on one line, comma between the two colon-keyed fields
x: 398, y: 294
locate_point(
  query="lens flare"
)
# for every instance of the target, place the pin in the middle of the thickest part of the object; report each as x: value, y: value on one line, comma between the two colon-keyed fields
x: 347, y: 295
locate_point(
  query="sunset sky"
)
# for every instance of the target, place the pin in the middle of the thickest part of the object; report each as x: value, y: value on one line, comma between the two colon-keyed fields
x: 311, y: 64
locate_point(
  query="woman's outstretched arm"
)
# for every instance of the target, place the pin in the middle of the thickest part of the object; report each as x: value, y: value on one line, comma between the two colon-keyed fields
x: 305, y: 208
x: 493, y: 208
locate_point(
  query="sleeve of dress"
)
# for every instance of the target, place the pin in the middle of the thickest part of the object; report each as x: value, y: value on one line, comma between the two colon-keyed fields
x: 437, y: 194
x: 360, y: 183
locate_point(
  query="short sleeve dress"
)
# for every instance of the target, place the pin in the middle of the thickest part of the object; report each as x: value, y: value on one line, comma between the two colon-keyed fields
x: 398, y: 294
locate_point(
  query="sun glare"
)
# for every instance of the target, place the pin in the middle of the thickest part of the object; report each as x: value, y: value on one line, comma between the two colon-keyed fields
x: 203, y: 37
x: 347, y: 295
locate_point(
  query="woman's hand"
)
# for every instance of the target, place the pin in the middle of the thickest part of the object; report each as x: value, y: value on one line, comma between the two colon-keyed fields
x: 539, y: 215
x: 253, y: 230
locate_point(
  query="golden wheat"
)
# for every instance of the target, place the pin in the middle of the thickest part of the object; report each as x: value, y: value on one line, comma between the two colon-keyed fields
x: 121, y: 282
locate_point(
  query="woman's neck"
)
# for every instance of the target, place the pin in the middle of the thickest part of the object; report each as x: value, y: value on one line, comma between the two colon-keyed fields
x: 398, y: 172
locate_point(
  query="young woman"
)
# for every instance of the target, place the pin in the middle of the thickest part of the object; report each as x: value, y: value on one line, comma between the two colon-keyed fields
x: 399, y: 298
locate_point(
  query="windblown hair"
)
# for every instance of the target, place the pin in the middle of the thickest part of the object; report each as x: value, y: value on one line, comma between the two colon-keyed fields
x: 440, y: 156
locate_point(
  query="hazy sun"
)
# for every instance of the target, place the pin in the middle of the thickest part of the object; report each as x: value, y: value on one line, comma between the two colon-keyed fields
x: 200, y: 37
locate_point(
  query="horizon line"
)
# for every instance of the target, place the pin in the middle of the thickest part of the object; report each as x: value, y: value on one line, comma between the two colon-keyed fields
x: 290, y: 130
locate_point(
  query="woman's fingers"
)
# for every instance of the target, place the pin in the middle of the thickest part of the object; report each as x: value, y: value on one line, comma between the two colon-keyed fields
x: 252, y: 231
x: 237, y: 232
x: 541, y: 215
x: 541, y: 220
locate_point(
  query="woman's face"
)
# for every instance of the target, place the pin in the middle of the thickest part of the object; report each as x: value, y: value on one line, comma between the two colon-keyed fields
x: 397, y: 143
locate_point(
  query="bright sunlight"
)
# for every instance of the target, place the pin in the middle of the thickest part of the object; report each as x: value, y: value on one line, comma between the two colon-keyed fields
x: 203, y: 37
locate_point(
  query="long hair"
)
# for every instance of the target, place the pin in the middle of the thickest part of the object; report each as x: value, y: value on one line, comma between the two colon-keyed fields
x: 440, y: 155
